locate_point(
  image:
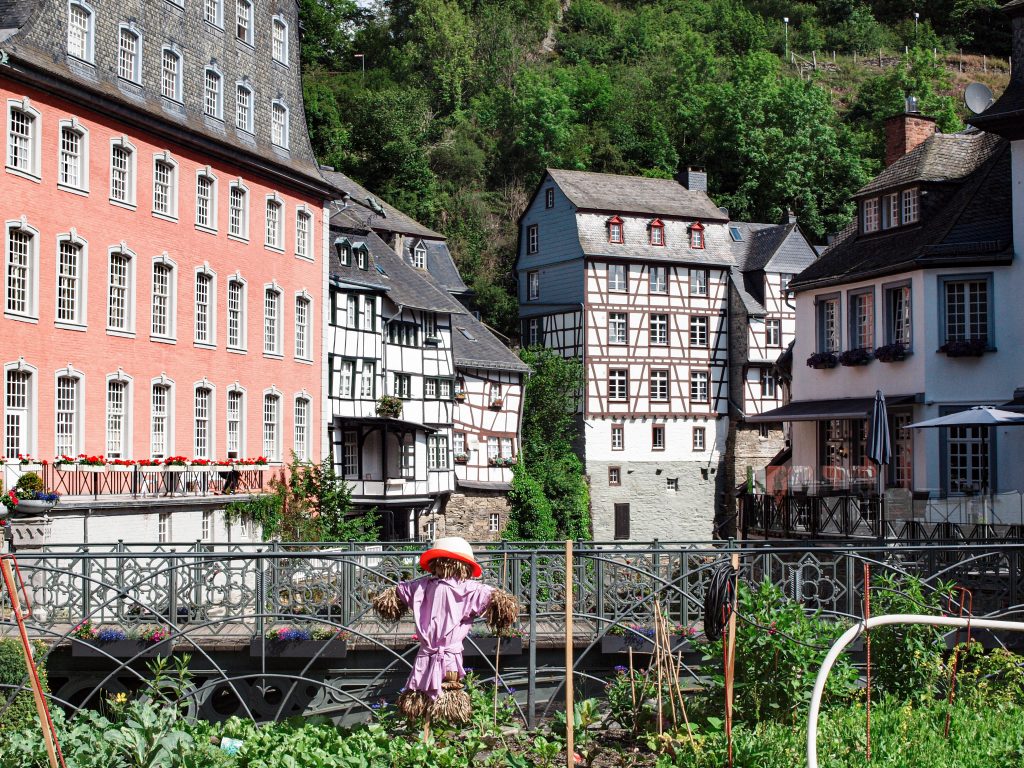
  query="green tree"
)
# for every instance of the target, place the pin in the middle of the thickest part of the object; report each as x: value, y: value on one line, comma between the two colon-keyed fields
x: 441, y: 46
x: 326, y: 28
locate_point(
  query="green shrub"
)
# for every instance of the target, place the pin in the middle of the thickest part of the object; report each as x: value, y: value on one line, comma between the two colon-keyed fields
x: 22, y: 711
x: 28, y: 485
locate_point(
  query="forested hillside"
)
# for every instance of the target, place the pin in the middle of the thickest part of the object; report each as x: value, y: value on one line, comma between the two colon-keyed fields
x: 463, y: 103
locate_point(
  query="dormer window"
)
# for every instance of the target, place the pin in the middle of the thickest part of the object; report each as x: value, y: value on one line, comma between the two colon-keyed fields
x: 419, y: 256
x: 615, y: 230
x: 361, y: 256
x: 869, y: 215
x: 657, y: 232
x: 891, y: 210
x: 911, y: 205
x: 697, y: 236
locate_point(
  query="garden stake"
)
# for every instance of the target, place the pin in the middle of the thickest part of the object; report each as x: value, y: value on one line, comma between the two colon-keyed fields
x: 689, y: 730
x: 570, y: 746
x: 659, y: 654
x: 730, y: 670
x: 497, y: 648
x: 965, y: 595
x: 867, y: 649
x: 632, y: 685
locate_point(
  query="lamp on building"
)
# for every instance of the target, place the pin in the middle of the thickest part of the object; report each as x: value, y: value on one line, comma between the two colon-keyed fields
x: 785, y: 26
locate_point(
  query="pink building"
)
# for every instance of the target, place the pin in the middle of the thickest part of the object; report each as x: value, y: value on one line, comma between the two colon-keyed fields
x: 164, y: 231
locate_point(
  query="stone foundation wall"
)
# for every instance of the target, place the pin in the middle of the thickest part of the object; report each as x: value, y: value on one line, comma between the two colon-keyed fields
x: 468, y: 514
x: 746, y: 448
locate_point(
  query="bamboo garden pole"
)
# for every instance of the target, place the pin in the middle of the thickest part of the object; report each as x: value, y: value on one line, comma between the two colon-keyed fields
x: 570, y: 746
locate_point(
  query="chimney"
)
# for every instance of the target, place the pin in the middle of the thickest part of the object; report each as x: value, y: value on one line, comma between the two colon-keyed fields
x: 905, y: 132
x: 789, y: 217
x: 694, y: 178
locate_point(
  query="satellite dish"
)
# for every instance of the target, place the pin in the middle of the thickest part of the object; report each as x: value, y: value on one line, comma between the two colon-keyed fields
x: 977, y: 97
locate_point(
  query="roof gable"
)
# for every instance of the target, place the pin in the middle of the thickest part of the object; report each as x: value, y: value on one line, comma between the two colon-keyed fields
x: 617, y: 194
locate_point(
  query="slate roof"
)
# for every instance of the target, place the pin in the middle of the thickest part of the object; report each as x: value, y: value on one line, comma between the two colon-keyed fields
x: 971, y: 227
x: 13, y: 14
x: 1006, y: 114
x: 766, y: 247
x: 944, y: 157
x: 717, y: 250
x: 440, y: 264
x: 634, y: 194
x: 393, y: 220
x: 484, y: 350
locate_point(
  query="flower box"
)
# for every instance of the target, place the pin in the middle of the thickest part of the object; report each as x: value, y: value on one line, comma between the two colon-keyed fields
x: 460, y: 397
x: 972, y: 348
x: 461, y: 458
x: 176, y: 468
x: 31, y: 466
x: 119, y: 649
x: 121, y: 467
x: 94, y: 468
x: 34, y: 506
x: 612, y: 644
x: 488, y: 646
x: 304, y: 650
x: 822, y: 361
x: 855, y: 357
x: 891, y: 353
x: 66, y: 467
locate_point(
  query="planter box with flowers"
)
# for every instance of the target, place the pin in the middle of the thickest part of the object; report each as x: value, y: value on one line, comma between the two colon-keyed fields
x: 289, y: 642
x: 461, y: 458
x: 822, y: 360
x: 389, y: 407
x: 640, y: 638
x: 150, y: 465
x: 145, y: 643
x: 200, y: 465
x: 175, y: 464
x: 121, y: 465
x: 501, y: 461
x: 258, y: 463
x: 38, y: 504
x: 26, y: 463
x: 855, y: 357
x: 65, y: 463
x: 460, y: 397
x: 497, y: 402
x: 487, y: 645
x: 969, y: 348
x: 93, y: 464
x: 891, y: 353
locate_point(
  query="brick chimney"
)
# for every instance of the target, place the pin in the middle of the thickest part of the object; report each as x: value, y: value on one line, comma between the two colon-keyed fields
x: 905, y: 132
x: 694, y: 178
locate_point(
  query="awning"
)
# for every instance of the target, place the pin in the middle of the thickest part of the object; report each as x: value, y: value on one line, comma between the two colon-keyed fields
x: 345, y: 422
x: 823, y: 410
x: 483, y: 485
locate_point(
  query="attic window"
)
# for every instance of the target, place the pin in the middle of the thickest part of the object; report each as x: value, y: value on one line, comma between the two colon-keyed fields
x: 615, y: 230
x: 869, y: 215
x: 911, y: 205
x: 549, y: 197
x: 735, y: 234
x: 465, y: 332
x: 697, y: 235
x: 657, y: 232
x: 361, y: 255
x: 344, y: 248
x: 419, y: 256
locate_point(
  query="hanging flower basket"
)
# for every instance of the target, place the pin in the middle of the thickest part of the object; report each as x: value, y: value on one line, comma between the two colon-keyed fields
x: 389, y: 407
x: 461, y: 458
x: 822, y: 360
x: 854, y: 357
x: 891, y: 353
x: 969, y: 348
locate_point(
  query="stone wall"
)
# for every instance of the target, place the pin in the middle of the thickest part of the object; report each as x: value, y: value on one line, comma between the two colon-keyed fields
x: 746, y: 447
x: 468, y: 514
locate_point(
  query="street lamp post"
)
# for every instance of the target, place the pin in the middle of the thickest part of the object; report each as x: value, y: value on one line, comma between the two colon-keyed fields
x: 362, y: 60
x: 785, y: 26
x: 916, y: 17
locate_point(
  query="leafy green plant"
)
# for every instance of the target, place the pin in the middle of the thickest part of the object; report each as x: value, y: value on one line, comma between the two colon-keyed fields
x: 21, y: 712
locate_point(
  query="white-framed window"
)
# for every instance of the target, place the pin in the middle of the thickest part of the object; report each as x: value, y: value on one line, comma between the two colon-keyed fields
x: 403, y: 385
x: 243, y: 21
x: 657, y: 232
x: 243, y: 108
x: 658, y: 280
x: 81, y: 24
x: 19, y: 409
x: 532, y: 239
x: 129, y: 55
x: 160, y: 419
x: 23, y: 136
x: 272, y: 426
x: 533, y: 285
x: 368, y: 380
x: 352, y: 311
x: 533, y: 332
x: 202, y: 424
x: 204, y: 307
x: 697, y: 239
x: 966, y: 309
x: 659, y: 386
x: 71, y: 279
x: 164, y: 298
x: 828, y: 324
x: 659, y: 329
x: 615, y: 231
x: 890, y: 210
x: 769, y: 385
x: 617, y: 328
x: 862, y: 320
x: 68, y: 408
x: 170, y: 74
x: 657, y: 437
x: 206, y: 200
x: 493, y: 449
x: 698, y: 331
x: 279, y: 124
x: 21, y: 271
x: 213, y: 12
x: 279, y: 40
x: 163, y: 527
x: 275, y: 224
x: 238, y: 211
x: 213, y: 93
x: 235, y: 422
x: 350, y: 454
x: 73, y: 156
x: 345, y: 378
x: 617, y: 280
x: 301, y: 428
x: 437, y: 452
x: 207, y: 525
x: 494, y: 522
x: 699, y: 386
x: 899, y: 325
x: 911, y: 205
x: 118, y: 437
x: 122, y: 172
x: 236, y: 313
x: 968, y: 458
x: 419, y: 256
x: 303, y: 331
x: 303, y: 234
x: 618, y: 384
x: 869, y: 215
x: 698, y: 438
x: 362, y: 256
x: 698, y: 282
x: 618, y: 437
x: 165, y: 186
x: 272, y: 321
x: 121, y: 290
x: 773, y: 333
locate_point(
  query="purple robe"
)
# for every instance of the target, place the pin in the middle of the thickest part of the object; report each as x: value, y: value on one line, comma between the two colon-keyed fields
x: 443, y: 610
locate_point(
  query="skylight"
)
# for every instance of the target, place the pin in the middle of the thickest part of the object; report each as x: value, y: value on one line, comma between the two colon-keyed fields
x: 735, y: 234
x: 380, y: 269
x: 467, y: 334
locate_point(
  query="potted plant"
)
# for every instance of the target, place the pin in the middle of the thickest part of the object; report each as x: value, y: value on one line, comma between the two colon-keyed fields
x: 144, y: 643
x: 88, y: 463
x: 26, y: 463
x: 640, y: 637
x: 891, y: 353
x: 291, y: 642
x: 32, y: 496
x: 460, y: 396
x: 461, y: 458
x: 65, y: 463
x: 482, y: 642
x: 822, y: 360
x: 964, y: 348
x: 854, y: 357
x: 175, y: 464
x: 497, y: 402
x: 201, y: 465
x: 122, y: 465
x: 389, y: 407
x: 150, y: 465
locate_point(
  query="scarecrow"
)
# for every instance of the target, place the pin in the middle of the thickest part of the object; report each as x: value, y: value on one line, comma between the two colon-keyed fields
x: 443, y: 606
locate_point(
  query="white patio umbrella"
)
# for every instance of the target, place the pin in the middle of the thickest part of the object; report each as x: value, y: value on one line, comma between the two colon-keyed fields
x: 978, y: 416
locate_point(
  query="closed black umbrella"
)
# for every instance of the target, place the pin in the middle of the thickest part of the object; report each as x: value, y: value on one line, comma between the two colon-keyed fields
x: 880, y: 441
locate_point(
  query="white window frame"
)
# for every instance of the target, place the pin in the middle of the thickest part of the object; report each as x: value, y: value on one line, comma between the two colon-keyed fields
x: 172, y: 194
x: 274, y: 238
x: 78, y: 415
x: 699, y: 380
x: 280, y: 56
x: 176, y: 83
x: 28, y: 431
x: 699, y: 280
x: 211, y: 338
x: 304, y: 243
x: 910, y: 205
x: 163, y: 527
x: 438, y: 453
x: 532, y: 239
x: 618, y: 385
x: 246, y: 38
x: 218, y: 13
x: 88, y: 51
x: 301, y: 443
x: 210, y: 419
x: 618, y: 328
x: 274, y: 350
x: 533, y: 285
x: 236, y: 419
x: 217, y: 93
x: 244, y: 119
x: 699, y: 439
x: 129, y: 200
x: 128, y: 328
x: 870, y: 215
x: 618, y: 278
x: 126, y: 416
x: 73, y: 126
x: 657, y: 280
x: 135, y: 75
x: 213, y: 205
x: 272, y: 448
x: 30, y: 170
x: 31, y: 311
x: 659, y: 385
x: 419, y: 256
x: 168, y: 416
x: 658, y: 336
x: 243, y: 232
x: 699, y: 332
x: 306, y: 355
x: 618, y: 437
x: 242, y: 344
x: 773, y: 332
x: 79, y: 321
x: 171, y: 335
x: 279, y: 132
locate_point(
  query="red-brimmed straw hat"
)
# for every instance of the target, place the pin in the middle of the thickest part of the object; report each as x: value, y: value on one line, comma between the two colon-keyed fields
x: 454, y: 547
